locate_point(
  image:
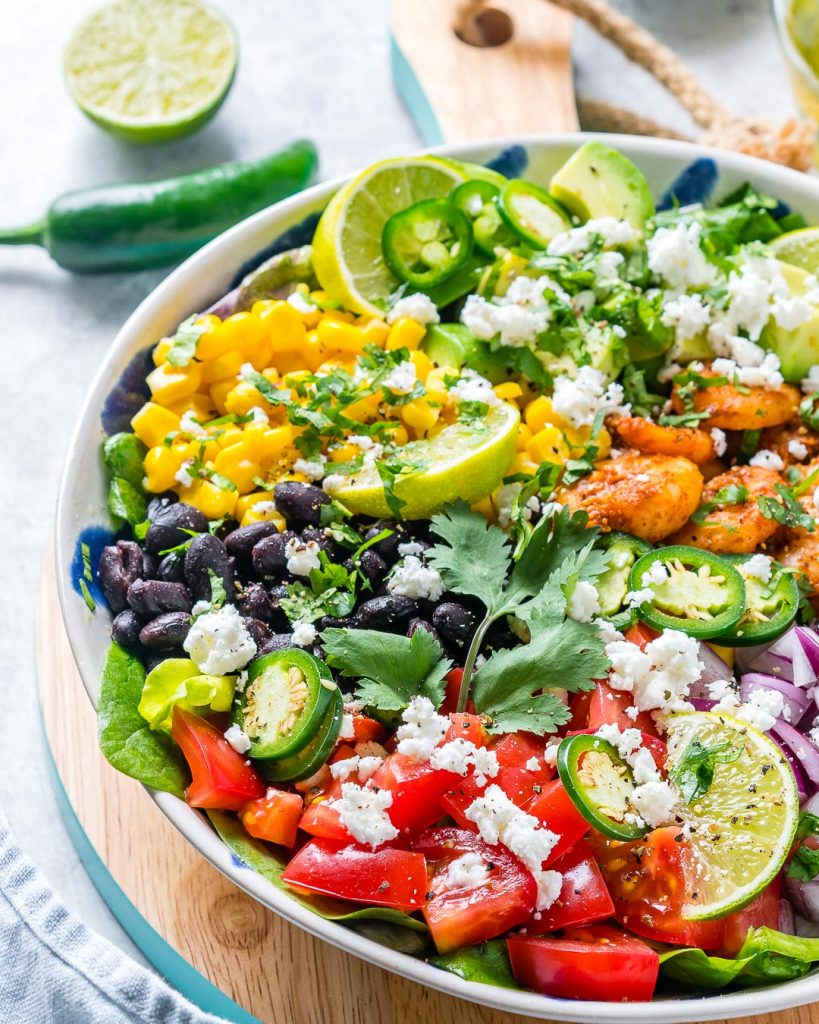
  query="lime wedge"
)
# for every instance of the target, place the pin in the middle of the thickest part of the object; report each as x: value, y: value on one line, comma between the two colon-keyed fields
x: 465, y: 460
x: 742, y: 829
x: 347, y: 255
x: 151, y: 70
x: 800, y: 248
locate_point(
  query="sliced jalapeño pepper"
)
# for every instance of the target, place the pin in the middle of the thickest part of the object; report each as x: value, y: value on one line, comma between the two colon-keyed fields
x: 479, y: 201
x: 600, y: 785
x: 702, y: 594
x: 770, y: 607
x: 532, y: 213
x: 623, y: 550
x: 309, y: 759
x: 283, y: 704
x: 427, y: 243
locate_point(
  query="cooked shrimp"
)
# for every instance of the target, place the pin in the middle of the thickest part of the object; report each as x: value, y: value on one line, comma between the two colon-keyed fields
x: 650, y: 437
x: 788, y: 441
x: 800, y: 549
x: 647, y: 495
x: 730, y: 408
x: 739, y: 528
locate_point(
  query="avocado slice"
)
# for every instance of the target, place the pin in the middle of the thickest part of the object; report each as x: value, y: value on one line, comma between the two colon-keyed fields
x: 449, y: 344
x: 597, y: 181
x: 798, y: 350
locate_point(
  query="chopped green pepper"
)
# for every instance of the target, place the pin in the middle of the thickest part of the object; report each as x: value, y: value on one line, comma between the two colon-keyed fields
x: 309, y: 759
x: 770, y: 607
x: 532, y: 213
x: 600, y: 785
x: 427, y: 242
x: 479, y: 201
x: 701, y: 593
x: 623, y: 551
x: 283, y: 704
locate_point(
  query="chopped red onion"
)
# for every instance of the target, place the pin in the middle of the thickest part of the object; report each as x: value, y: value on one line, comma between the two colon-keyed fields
x: 791, y: 657
x: 700, y: 704
x: 796, y: 699
x: 804, y: 897
x: 713, y: 668
x: 803, y: 749
x: 787, y: 919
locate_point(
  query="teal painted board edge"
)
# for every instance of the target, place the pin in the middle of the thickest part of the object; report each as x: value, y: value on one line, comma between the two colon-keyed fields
x: 173, y: 967
x: 414, y: 97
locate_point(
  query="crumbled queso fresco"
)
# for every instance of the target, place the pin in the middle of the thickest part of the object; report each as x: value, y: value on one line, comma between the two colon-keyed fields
x: 218, y: 641
x: 414, y: 579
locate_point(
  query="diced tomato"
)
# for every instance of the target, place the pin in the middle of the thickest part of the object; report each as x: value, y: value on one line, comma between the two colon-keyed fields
x: 322, y: 817
x: 463, y: 916
x: 640, y: 634
x: 600, y: 962
x: 454, y: 678
x: 385, y: 877
x: 583, y: 898
x: 365, y: 729
x: 416, y: 789
x: 649, y: 880
x: 579, y: 706
x: 555, y: 809
x: 221, y: 778
x: 608, y: 707
x: 274, y: 818
x: 763, y: 912
x: 466, y: 727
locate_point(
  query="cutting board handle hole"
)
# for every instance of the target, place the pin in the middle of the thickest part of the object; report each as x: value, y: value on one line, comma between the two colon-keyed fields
x: 477, y: 25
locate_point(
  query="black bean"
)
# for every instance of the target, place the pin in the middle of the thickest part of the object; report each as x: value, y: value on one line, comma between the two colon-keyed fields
x: 169, y: 526
x: 416, y: 624
x: 254, y: 602
x: 333, y: 551
x: 152, y: 597
x: 454, y: 621
x: 258, y: 630
x: 300, y: 504
x: 241, y: 542
x: 207, y: 554
x: 159, y: 502
x: 171, y: 568
x: 277, y: 642
x: 125, y: 628
x: 120, y: 565
x: 331, y: 622
x: 388, y: 547
x: 389, y: 613
x: 373, y: 567
x: 150, y: 563
x: 166, y: 631
x: 269, y: 556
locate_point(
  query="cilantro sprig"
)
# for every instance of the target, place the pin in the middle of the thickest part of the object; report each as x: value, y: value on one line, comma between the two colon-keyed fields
x: 732, y: 494
x: 694, y: 772
x: 805, y: 863
x: 184, y: 342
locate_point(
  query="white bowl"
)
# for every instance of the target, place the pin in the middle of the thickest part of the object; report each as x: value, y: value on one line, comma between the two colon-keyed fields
x: 82, y: 510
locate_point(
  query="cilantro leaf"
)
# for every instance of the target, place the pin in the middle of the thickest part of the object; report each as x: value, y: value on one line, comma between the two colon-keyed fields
x: 184, y: 342
x: 694, y: 772
x: 732, y: 494
x: 788, y: 511
x: 218, y: 595
x: 805, y: 863
x: 637, y: 395
x: 390, y: 669
x: 476, y: 557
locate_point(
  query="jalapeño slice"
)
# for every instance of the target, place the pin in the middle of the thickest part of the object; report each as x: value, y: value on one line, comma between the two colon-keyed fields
x: 479, y: 201
x: 600, y: 785
x: 770, y: 607
x: 623, y: 551
x: 427, y: 243
x: 309, y: 759
x: 532, y: 213
x: 703, y: 594
x: 283, y: 704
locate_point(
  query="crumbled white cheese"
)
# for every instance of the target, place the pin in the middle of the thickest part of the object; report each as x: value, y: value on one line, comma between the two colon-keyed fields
x: 302, y: 556
x: 259, y: 415
x: 660, y: 676
x: 465, y: 872
x: 459, y: 755
x: 530, y: 292
x: 265, y: 508
x: 797, y: 448
x: 657, y: 573
x: 183, y: 475
x: 299, y: 301
x: 238, y: 739
x: 304, y: 634
x: 792, y: 312
x: 363, y: 767
x: 422, y: 731
x: 549, y: 886
x: 765, y: 375
x: 414, y: 579
x: 654, y: 802
x: 402, y: 378
x: 472, y: 387
x: 674, y: 254
x: 629, y: 745
x: 637, y: 598
x: 532, y: 765
x: 584, y: 602
x: 720, y: 688
x: 417, y: 307
x: 313, y: 469
x: 189, y: 425
x: 606, y: 266
x: 333, y: 481
x: 759, y: 567
x: 609, y: 229
x: 411, y: 547
x: 363, y: 812
x: 218, y: 641
x: 766, y: 459
x: 720, y: 441
x: 579, y: 399
x: 689, y: 315
x: 811, y: 382
x: 515, y: 325
x: 347, y: 731
x: 761, y: 709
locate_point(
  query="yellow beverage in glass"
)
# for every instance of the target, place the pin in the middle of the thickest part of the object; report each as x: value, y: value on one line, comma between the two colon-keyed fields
x: 798, y: 25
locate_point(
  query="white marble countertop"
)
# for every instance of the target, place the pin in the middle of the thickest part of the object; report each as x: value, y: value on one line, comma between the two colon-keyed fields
x: 317, y: 69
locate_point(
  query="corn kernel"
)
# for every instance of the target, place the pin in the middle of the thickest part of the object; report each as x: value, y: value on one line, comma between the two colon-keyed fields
x: 538, y: 413
x: 285, y: 328
x: 219, y: 392
x: 344, y: 453
x: 169, y: 384
x: 153, y: 423
x: 263, y: 511
x: 524, y: 434
x: 265, y: 443
x: 423, y: 364
x: 436, y: 388
x: 243, y: 397
x: 420, y: 414
x: 214, y: 343
x: 230, y: 435
x: 312, y: 353
x: 522, y: 464
x: 399, y: 435
x: 363, y: 410
x: 245, y: 332
x: 161, y: 466
x: 237, y: 465
x: 485, y: 507
x: 375, y: 332
x: 200, y: 405
x: 215, y: 502
x: 224, y: 367
x: 509, y: 391
x: 340, y: 337
x: 247, y: 501
x: 161, y: 350
x: 405, y: 333
x: 547, y: 445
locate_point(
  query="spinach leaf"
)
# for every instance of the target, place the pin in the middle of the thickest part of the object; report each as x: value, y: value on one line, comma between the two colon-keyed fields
x: 125, y: 738
x: 126, y: 502
x: 124, y: 455
x: 487, y: 963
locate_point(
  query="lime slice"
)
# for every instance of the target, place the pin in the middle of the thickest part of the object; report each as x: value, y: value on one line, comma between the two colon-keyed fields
x: 465, y: 460
x: 800, y: 248
x: 347, y: 255
x: 151, y: 70
x: 742, y: 829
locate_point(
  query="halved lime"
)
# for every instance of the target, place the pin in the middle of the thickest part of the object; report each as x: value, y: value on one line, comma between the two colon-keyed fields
x: 151, y: 70
x: 347, y: 256
x: 800, y: 248
x: 741, y: 830
x: 466, y: 460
